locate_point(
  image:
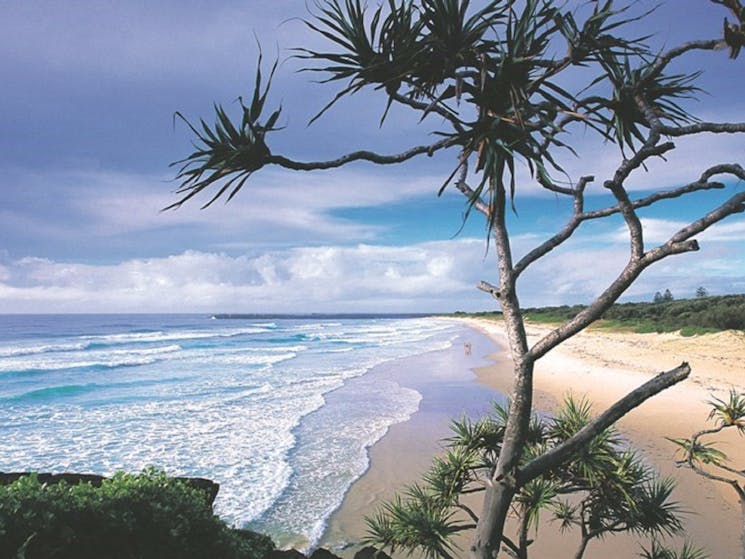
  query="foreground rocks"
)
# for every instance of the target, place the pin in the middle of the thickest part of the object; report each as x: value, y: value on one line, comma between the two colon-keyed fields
x: 364, y: 553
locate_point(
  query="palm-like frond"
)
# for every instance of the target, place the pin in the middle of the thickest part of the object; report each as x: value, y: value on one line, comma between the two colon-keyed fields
x: 228, y: 153
x: 517, y: 106
x: 700, y: 453
x: 625, y: 121
x: 566, y: 513
x: 377, y: 50
x: 416, y: 523
x: 660, y: 551
x: 452, y: 40
x: 594, y: 38
x: 734, y: 33
x: 451, y: 474
x: 538, y: 495
x: 484, y: 435
x: 655, y: 511
x: 729, y: 412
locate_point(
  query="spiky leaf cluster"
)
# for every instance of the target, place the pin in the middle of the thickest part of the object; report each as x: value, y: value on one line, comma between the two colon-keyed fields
x: 729, y: 412
x: 603, y: 488
x: 492, y: 74
x: 659, y: 551
x: 228, y: 153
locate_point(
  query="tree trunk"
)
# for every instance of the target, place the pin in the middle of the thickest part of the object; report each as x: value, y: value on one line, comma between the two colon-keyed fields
x: 501, y: 488
x: 582, y: 547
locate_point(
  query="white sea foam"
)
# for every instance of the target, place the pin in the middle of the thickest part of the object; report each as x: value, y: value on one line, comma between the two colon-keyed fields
x: 283, y: 426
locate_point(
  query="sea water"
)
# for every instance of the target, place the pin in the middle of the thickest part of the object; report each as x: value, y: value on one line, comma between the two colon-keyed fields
x: 239, y: 401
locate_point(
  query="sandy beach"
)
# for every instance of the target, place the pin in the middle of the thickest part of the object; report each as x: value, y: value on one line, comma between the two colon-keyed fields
x: 603, y: 366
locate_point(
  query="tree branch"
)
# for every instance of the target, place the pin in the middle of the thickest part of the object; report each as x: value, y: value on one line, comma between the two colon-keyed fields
x: 571, y: 226
x: 664, y: 59
x: 362, y: 155
x: 559, y: 454
x: 427, y: 108
x: 740, y: 490
x: 603, y: 302
x: 700, y: 127
x: 461, y: 184
x: 492, y: 290
x: 679, y: 243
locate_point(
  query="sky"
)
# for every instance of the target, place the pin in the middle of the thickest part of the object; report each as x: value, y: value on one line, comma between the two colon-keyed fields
x: 88, y: 95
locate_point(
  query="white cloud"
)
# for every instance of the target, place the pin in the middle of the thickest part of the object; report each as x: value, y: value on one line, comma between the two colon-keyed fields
x: 421, y: 277
x: 274, y: 206
x: 362, y: 277
x: 658, y: 231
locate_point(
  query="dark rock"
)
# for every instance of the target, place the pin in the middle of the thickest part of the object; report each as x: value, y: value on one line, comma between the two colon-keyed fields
x: 321, y: 553
x: 209, y: 487
x: 371, y: 552
x: 285, y: 554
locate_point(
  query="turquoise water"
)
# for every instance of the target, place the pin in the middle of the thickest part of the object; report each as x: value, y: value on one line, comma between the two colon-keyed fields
x: 239, y: 401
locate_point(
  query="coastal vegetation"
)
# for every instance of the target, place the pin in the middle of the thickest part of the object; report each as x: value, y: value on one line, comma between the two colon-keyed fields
x: 603, y: 489
x: 689, y: 316
x: 505, y: 85
x: 129, y: 516
x: 703, y: 456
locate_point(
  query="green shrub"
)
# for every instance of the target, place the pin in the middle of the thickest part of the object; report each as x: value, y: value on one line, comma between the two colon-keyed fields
x: 145, y: 516
x: 703, y: 314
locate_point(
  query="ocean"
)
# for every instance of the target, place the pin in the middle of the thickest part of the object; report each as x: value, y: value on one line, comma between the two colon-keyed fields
x: 242, y: 401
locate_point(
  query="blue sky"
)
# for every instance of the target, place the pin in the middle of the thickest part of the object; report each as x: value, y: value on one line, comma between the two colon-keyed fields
x: 86, y: 131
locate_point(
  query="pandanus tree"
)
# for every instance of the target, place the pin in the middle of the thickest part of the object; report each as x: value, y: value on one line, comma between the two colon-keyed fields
x: 506, y: 82
x: 604, y: 488
x: 700, y: 453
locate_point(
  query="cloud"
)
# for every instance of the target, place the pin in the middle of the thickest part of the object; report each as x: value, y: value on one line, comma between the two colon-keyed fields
x: 430, y: 276
x: 155, y: 42
x: 71, y: 212
x: 658, y: 231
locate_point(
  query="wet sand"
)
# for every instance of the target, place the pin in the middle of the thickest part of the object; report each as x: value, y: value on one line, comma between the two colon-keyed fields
x: 600, y: 365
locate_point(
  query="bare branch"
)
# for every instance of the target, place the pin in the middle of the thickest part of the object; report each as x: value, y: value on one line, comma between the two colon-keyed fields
x: 604, y: 301
x: 559, y: 454
x: 462, y: 186
x: 553, y: 187
x: 636, y: 233
x: 700, y: 127
x: 679, y: 243
x: 580, y: 216
x: 489, y: 288
x: 736, y: 204
x: 562, y: 235
x: 696, y: 186
x: 363, y: 155
x: 664, y: 59
x: 740, y: 490
x: 426, y: 108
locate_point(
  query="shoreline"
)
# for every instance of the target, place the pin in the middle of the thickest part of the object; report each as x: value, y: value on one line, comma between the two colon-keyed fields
x: 449, y: 388
x: 602, y: 366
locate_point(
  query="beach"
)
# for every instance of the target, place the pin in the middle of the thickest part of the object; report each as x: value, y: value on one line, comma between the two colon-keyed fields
x: 602, y: 366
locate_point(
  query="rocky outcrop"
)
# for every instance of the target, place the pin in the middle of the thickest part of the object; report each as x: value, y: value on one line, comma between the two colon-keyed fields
x: 321, y: 553
x: 370, y: 552
x: 285, y: 554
